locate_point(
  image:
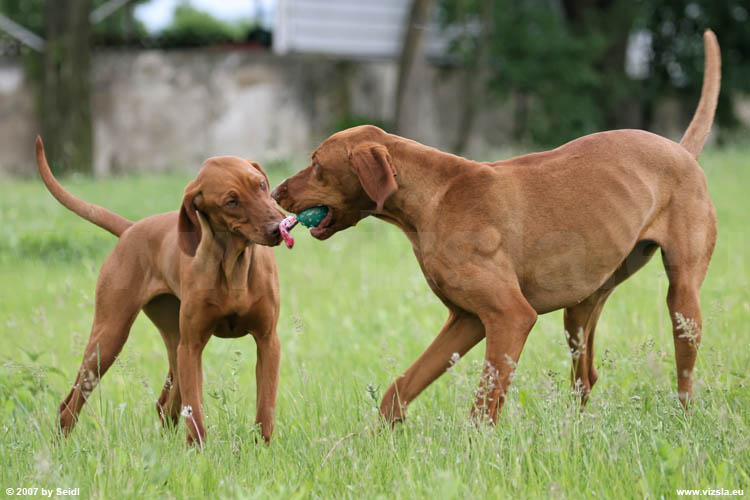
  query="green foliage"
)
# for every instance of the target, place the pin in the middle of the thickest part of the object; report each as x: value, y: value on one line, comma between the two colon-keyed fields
x: 676, y: 68
x: 30, y: 14
x: 563, y: 61
x: 355, y: 312
x: 195, y: 27
x: 346, y: 121
x: 120, y: 26
x: 27, y: 13
x: 535, y: 58
x: 190, y: 27
x: 540, y: 60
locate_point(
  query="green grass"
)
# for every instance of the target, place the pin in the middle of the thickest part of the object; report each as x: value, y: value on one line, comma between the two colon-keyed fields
x: 356, y: 312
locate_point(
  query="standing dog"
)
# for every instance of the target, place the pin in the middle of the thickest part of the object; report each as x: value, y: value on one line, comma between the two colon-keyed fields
x: 502, y: 242
x: 194, y: 272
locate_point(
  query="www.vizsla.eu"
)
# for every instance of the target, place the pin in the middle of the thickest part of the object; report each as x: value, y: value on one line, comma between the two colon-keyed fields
x: 711, y: 492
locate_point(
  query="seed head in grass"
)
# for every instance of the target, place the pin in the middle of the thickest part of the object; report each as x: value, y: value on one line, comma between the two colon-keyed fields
x: 689, y: 328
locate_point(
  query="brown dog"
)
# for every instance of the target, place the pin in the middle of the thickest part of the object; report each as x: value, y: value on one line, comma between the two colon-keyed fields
x: 502, y: 242
x: 194, y: 272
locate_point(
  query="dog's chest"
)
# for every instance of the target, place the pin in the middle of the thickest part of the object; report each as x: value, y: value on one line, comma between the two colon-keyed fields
x: 432, y: 271
x: 231, y: 326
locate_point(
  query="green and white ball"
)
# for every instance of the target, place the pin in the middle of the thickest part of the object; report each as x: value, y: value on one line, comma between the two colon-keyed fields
x: 312, y: 216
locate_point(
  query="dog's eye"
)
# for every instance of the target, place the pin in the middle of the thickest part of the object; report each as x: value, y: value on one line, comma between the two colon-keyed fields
x: 232, y: 203
x: 263, y: 186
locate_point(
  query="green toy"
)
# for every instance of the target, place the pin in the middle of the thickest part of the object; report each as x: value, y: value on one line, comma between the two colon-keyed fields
x: 312, y: 216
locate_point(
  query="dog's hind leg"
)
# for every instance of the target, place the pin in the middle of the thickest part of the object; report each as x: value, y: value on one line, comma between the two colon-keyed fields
x: 685, y: 279
x: 686, y: 253
x: 164, y: 313
x: 581, y: 319
x: 580, y: 324
x: 117, y: 304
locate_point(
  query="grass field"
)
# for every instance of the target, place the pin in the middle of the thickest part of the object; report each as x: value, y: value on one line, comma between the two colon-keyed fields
x: 356, y: 312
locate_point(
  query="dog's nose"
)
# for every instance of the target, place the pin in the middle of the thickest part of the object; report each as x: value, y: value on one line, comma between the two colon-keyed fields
x: 279, y: 193
x: 273, y: 232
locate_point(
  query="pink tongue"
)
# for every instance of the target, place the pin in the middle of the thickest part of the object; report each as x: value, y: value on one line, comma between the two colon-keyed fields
x: 284, y: 227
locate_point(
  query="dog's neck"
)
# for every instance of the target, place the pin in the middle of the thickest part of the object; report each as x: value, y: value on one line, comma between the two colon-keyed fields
x: 236, y: 259
x: 232, y: 253
x: 423, y: 175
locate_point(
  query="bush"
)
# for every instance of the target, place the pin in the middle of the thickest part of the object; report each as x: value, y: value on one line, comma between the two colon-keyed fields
x: 195, y: 27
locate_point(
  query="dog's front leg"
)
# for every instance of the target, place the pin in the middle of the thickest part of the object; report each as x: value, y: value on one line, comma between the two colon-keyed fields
x: 460, y: 333
x: 194, y: 334
x: 267, y: 381
x: 507, y: 325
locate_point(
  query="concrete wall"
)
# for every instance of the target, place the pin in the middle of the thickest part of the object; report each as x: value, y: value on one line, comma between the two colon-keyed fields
x: 18, y: 119
x: 172, y: 109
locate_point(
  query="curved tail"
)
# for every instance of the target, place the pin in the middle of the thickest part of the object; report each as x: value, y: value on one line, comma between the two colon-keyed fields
x: 700, y: 125
x: 100, y: 216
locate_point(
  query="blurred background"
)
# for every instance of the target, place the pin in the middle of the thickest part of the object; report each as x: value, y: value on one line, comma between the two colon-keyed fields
x: 117, y: 86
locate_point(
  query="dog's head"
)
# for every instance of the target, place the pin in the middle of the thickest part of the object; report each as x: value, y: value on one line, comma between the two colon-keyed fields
x: 351, y: 173
x: 233, y: 196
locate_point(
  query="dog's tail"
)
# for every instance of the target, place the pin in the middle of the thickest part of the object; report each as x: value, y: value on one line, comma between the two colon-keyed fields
x: 700, y: 125
x: 100, y: 216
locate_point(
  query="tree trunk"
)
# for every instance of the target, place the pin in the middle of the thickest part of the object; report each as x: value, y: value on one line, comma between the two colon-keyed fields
x: 520, y: 116
x: 66, y: 105
x: 412, y: 42
x: 476, y: 77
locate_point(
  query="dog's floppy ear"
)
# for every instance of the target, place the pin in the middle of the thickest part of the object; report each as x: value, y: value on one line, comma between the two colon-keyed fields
x: 188, y: 227
x: 259, y: 169
x: 372, y: 164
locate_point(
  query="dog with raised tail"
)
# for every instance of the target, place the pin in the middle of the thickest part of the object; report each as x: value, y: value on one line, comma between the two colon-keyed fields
x: 501, y: 242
